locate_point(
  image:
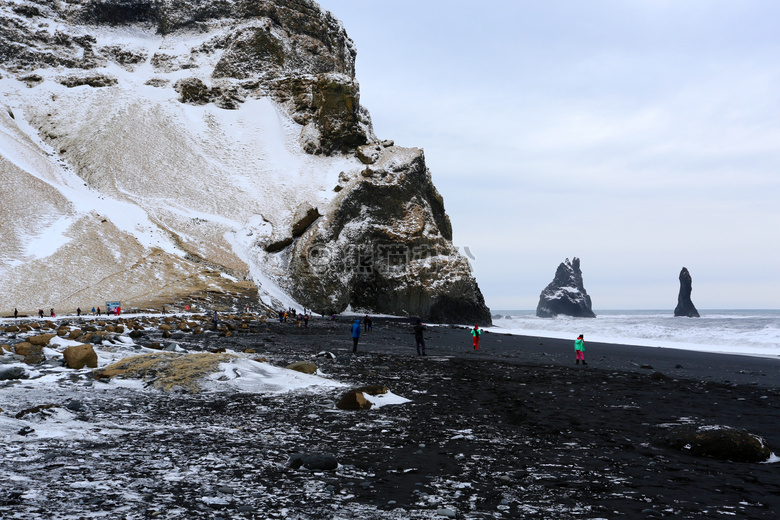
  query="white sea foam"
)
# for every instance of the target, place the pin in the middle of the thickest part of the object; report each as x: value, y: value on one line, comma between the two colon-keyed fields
x: 747, y: 332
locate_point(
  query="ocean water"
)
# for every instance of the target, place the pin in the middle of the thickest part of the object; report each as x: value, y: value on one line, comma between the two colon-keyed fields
x: 747, y: 332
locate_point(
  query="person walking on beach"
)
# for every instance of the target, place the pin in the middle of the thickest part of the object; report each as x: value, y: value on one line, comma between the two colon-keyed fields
x: 215, y: 319
x: 579, y: 349
x: 476, y: 332
x: 419, y: 328
x: 355, y: 335
x: 16, y: 313
x: 78, y: 311
x: 40, y: 313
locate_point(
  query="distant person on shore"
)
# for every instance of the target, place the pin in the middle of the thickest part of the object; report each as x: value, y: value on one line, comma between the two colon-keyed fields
x: 419, y: 329
x: 305, y: 321
x: 579, y: 349
x: 476, y: 332
x: 16, y: 313
x: 98, y: 311
x: 367, y: 323
x: 93, y: 311
x: 78, y: 311
x: 215, y: 319
x: 40, y: 313
x: 51, y: 313
x: 355, y: 335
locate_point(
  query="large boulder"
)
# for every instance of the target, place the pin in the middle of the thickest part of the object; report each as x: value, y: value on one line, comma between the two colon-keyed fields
x: 387, y: 246
x: 41, y: 340
x: 80, y: 356
x: 305, y: 367
x: 566, y: 294
x: 353, y: 400
x: 685, y: 305
x: 720, y: 442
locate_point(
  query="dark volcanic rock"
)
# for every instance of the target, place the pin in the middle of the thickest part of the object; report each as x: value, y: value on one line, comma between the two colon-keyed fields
x: 685, y: 306
x: 387, y: 248
x: 566, y: 294
x: 720, y: 442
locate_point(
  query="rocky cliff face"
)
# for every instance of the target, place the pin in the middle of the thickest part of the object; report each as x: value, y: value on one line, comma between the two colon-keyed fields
x: 685, y: 305
x: 566, y: 294
x: 211, y: 146
x: 387, y: 246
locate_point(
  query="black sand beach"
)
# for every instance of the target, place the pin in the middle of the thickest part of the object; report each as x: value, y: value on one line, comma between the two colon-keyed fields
x: 516, y: 430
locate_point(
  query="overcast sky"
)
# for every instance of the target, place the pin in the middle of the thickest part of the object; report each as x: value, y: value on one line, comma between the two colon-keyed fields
x: 639, y: 136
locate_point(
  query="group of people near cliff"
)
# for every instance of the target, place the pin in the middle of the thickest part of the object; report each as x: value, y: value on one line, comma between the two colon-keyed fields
x: 419, y: 330
x: 115, y: 311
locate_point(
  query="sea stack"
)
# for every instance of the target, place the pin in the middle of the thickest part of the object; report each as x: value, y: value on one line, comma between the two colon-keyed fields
x: 566, y: 294
x: 685, y: 306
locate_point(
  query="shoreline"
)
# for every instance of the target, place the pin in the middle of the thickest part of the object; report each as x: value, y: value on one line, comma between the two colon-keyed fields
x: 455, y: 341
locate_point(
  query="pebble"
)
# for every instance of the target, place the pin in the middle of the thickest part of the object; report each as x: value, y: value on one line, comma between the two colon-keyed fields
x: 446, y: 512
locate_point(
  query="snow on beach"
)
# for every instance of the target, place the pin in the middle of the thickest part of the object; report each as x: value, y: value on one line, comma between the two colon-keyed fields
x: 52, y: 383
x: 744, y: 332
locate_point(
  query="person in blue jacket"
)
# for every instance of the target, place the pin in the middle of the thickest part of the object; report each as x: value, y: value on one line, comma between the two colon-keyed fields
x: 355, y: 335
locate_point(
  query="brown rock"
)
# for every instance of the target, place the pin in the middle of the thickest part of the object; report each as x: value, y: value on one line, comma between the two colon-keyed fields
x: 41, y: 340
x: 108, y: 373
x: 373, y: 389
x: 165, y: 327
x: 74, y: 334
x: 12, y: 328
x: 353, y: 400
x: 304, y: 367
x: 23, y: 348
x: 7, y: 348
x: 79, y: 356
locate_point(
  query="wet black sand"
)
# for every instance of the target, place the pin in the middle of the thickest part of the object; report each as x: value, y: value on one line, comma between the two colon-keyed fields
x: 516, y: 430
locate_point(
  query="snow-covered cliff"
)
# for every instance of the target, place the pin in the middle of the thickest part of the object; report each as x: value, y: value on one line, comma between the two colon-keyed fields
x: 181, y: 151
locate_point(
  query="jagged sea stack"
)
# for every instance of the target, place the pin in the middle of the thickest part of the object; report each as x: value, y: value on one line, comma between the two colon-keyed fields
x: 566, y: 294
x: 685, y: 306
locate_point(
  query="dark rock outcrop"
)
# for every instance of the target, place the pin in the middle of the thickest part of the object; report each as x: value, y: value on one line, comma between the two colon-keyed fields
x: 685, y: 306
x: 720, y: 442
x: 566, y: 294
x: 387, y: 246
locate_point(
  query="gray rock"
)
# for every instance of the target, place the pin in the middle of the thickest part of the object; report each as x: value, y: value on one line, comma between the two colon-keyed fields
x: 314, y: 461
x: 74, y: 405
x: 446, y: 513
x: 12, y: 373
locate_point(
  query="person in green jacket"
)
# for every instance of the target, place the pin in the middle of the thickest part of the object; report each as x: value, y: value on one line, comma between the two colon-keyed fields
x: 476, y: 332
x: 579, y: 349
